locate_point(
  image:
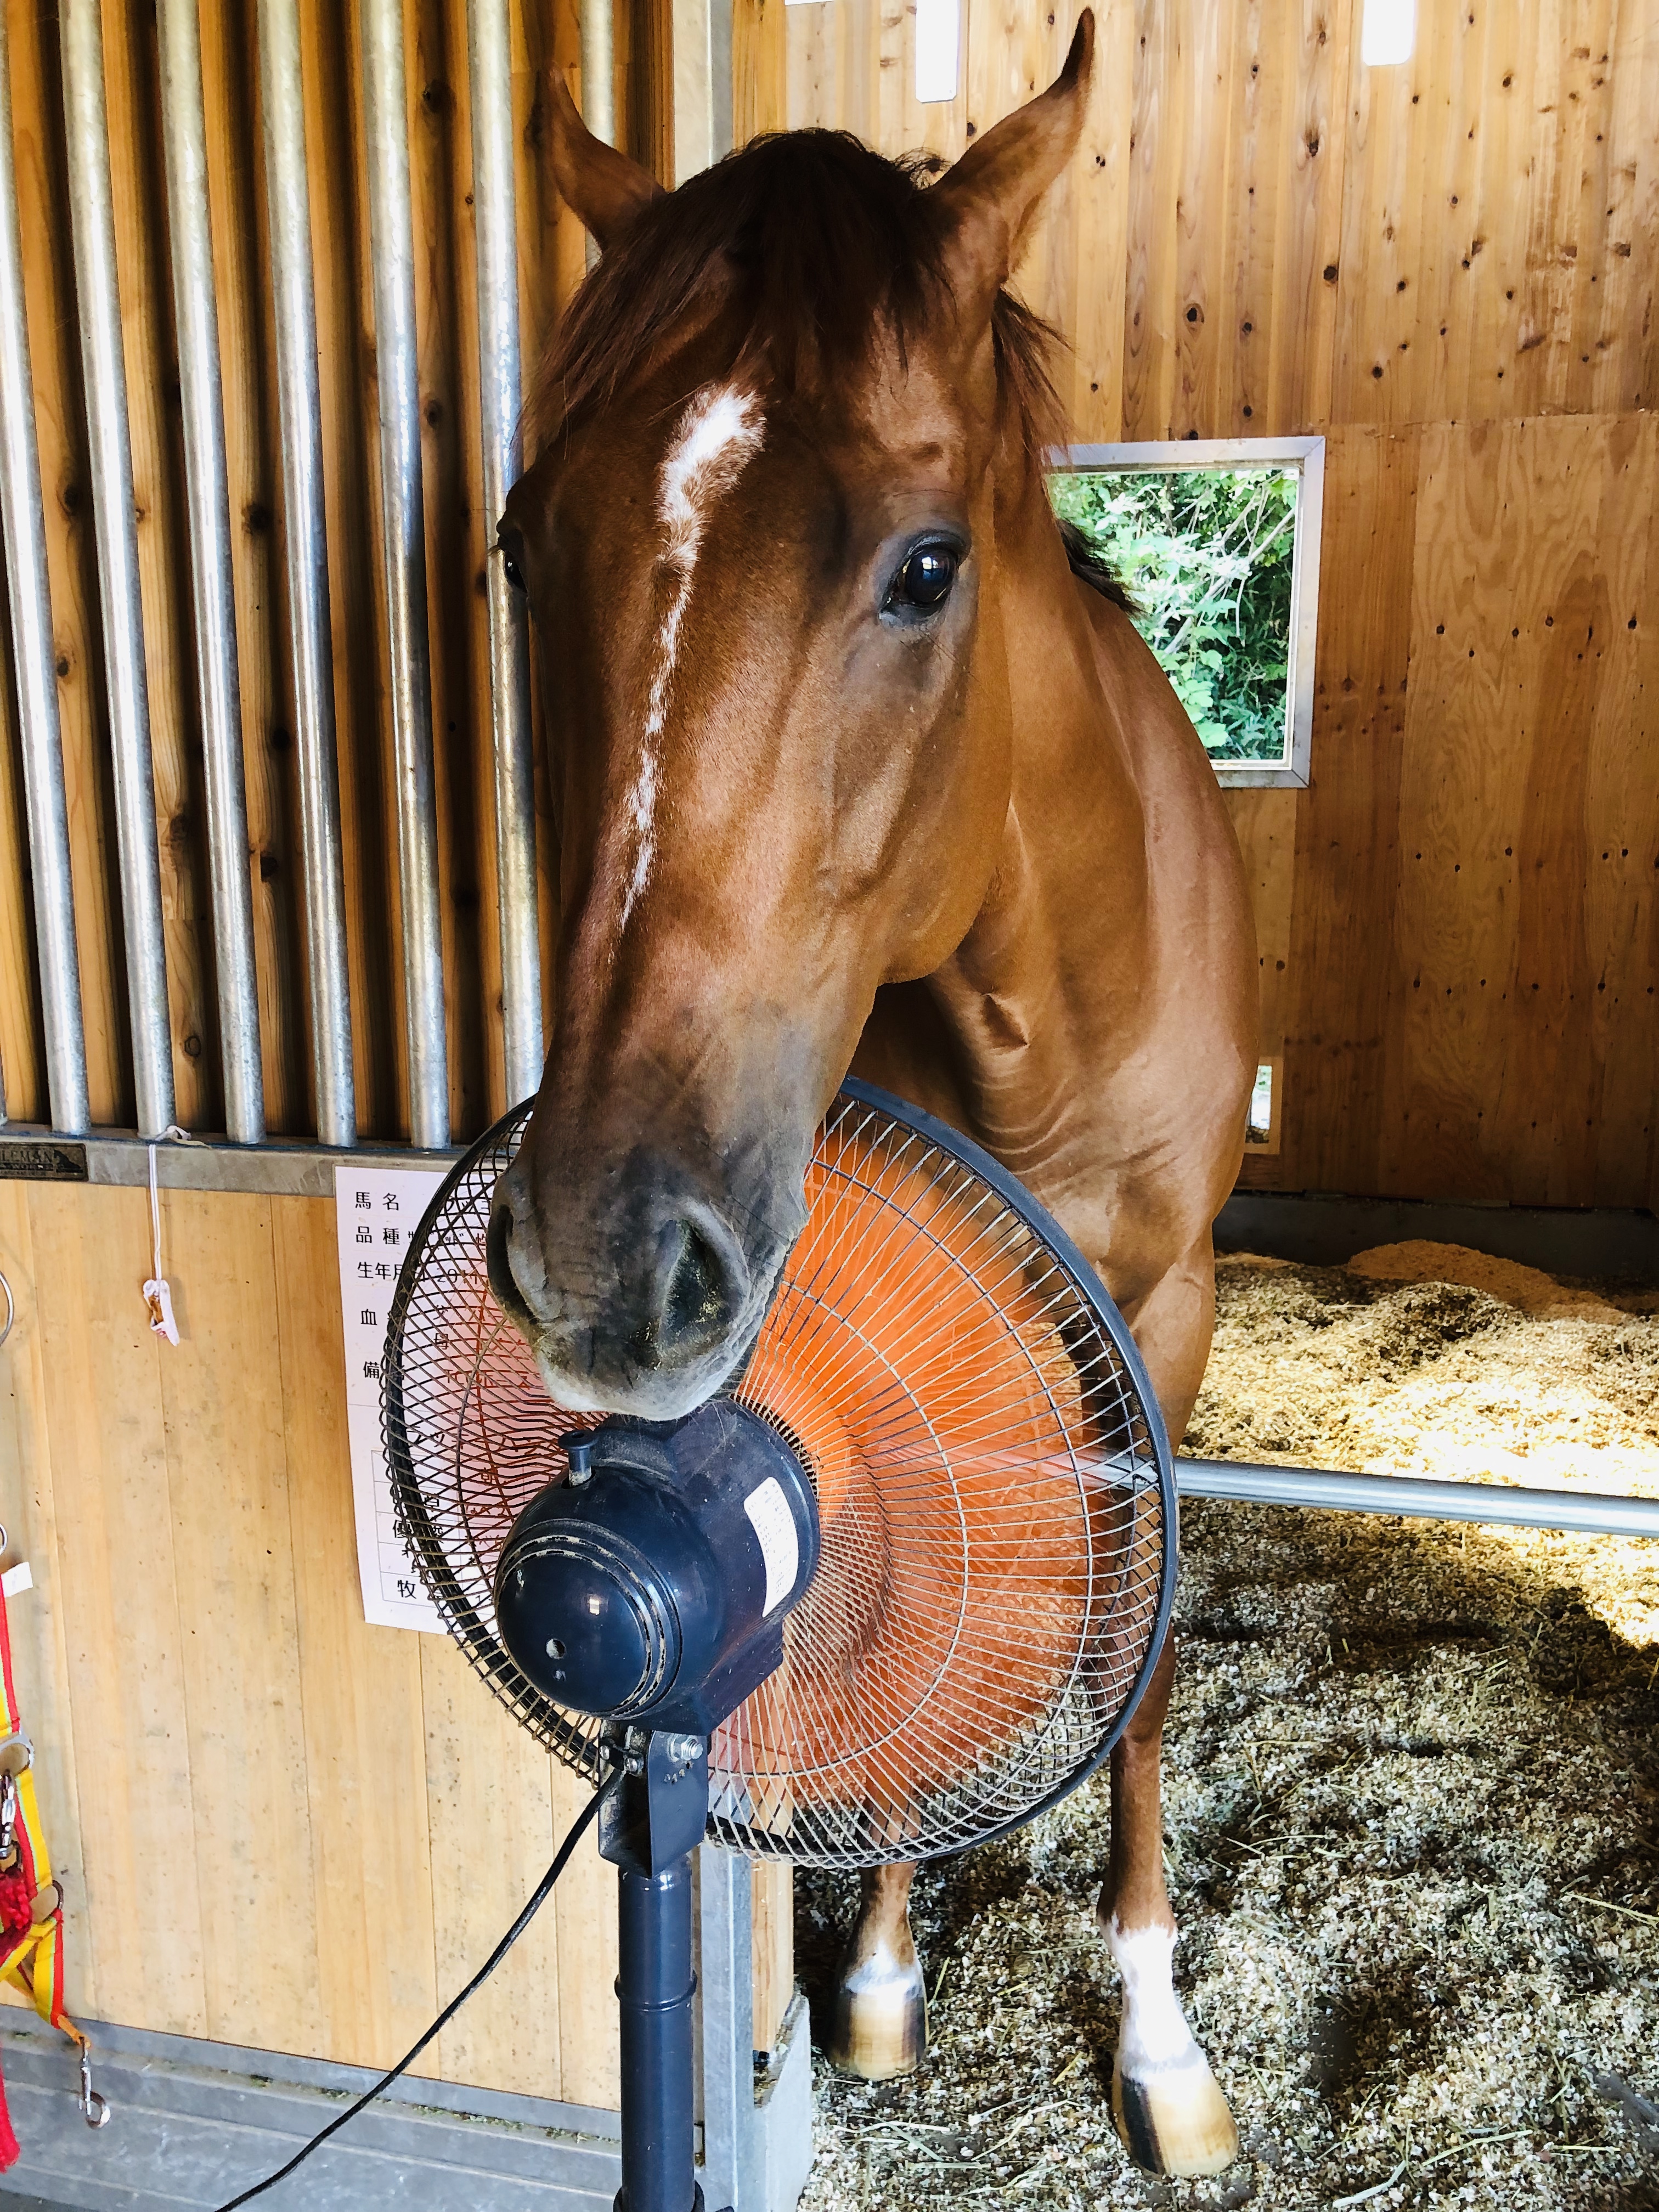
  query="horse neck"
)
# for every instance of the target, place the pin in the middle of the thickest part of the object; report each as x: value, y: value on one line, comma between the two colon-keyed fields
x: 1049, y: 975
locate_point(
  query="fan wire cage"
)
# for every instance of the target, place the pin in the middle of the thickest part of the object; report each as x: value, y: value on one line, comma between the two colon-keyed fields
x: 992, y: 1477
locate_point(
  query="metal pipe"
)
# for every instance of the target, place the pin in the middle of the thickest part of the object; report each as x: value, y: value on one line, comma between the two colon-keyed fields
x: 184, y: 138
x: 91, y: 222
x: 489, y: 64
x: 597, y: 25
x: 22, y: 525
x: 1418, y: 1497
x: 598, y: 29
x: 386, y: 124
x: 305, y: 533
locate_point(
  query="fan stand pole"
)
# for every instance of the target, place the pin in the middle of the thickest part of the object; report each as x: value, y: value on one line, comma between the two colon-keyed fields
x: 649, y: 1825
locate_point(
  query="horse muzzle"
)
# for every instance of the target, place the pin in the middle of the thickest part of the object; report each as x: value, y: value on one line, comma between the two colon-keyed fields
x: 648, y: 1313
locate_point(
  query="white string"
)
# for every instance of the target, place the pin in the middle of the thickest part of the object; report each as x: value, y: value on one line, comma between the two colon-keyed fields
x: 158, y: 1292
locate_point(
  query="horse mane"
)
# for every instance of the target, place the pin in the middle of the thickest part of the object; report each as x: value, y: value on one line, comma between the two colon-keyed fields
x: 811, y: 246
x: 1086, y: 560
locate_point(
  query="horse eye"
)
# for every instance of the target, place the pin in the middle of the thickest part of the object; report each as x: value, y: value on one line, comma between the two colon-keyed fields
x: 514, y: 575
x: 924, y: 580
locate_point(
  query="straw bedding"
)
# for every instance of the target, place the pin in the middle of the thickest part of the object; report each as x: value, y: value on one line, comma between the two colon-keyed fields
x: 1411, y: 1803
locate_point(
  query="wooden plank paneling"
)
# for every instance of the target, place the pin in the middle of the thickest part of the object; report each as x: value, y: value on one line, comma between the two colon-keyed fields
x: 359, y: 1692
x: 1499, y: 184
x: 490, y: 1822
x: 122, y: 1591
x: 342, y: 1820
x: 38, y: 1618
x: 1505, y: 1056
x: 1345, y: 986
x: 227, y: 1472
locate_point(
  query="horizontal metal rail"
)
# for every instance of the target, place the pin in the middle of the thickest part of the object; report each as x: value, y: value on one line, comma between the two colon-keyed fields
x: 1418, y: 1497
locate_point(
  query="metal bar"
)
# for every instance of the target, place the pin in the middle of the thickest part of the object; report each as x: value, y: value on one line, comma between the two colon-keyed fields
x: 597, y: 26
x: 92, y: 220
x: 22, y: 525
x: 598, y: 29
x: 489, y: 63
x: 1418, y: 1497
x: 386, y: 124
x: 305, y: 532
x: 725, y: 2033
x: 184, y: 138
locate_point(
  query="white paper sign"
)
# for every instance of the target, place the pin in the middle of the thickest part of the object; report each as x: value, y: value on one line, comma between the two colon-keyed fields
x: 377, y: 1212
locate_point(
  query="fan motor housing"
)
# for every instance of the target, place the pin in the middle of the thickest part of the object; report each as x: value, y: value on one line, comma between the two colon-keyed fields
x: 651, y: 1583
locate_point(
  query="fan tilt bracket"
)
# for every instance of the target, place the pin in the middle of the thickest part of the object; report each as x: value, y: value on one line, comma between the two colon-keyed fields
x: 657, y: 1808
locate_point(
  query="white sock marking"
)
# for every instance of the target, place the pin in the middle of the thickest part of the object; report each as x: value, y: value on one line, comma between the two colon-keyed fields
x: 1155, y: 2033
x: 717, y: 436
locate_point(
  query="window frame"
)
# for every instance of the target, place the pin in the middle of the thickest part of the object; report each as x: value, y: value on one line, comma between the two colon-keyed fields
x: 1306, y: 458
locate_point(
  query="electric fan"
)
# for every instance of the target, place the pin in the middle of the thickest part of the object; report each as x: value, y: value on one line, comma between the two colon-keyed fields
x: 892, y: 1594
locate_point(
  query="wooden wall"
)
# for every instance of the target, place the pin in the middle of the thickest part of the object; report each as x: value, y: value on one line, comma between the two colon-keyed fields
x: 1449, y: 269
x: 276, y: 1826
x: 284, y: 1827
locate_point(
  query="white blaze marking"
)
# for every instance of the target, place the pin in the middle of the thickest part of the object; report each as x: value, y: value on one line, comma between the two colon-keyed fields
x: 1154, y: 2032
x: 716, y: 436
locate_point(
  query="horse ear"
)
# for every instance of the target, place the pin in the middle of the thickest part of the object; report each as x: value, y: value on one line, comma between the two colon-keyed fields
x: 604, y: 186
x: 992, y: 195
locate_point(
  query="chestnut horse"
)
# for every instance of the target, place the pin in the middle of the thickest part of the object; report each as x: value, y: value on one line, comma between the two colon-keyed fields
x: 853, y: 767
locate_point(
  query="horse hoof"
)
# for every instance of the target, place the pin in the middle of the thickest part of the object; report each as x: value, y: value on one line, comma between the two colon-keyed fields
x: 1173, y: 2119
x: 879, y: 2026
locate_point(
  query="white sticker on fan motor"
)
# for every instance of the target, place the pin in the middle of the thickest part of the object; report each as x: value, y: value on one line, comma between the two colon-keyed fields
x: 773, y: 1525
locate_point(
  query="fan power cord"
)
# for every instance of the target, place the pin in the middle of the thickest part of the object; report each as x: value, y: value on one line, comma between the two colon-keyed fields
x: 544, y: 1890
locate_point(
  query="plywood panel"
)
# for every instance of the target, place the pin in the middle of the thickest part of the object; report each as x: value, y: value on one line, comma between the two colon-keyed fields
x: 1265, y: 824
x: 37, y: 1618
x: 1497, y: 183
x: 1506, y: 1056
x: 222, y: 1405
x: 360, y: 1689
x: 491, y: 1837
x: 128, y: 1673
x: 1343, y: 963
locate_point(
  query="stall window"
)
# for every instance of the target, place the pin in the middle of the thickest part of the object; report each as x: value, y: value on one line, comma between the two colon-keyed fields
x: 1218, y: 546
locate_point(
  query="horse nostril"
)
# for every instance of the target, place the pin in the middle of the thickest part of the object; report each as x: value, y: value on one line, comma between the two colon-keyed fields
x: 697, y: 1299
x: 502, y: 1280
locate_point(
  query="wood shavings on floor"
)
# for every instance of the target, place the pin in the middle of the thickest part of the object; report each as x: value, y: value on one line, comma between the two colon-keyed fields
x: 1412, y: 1809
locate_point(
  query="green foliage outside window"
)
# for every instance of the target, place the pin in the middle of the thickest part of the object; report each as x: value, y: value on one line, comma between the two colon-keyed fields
x: 1206, y: 555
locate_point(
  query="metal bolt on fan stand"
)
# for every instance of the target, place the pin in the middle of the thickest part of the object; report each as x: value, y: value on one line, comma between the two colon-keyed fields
x: 895, y: 1595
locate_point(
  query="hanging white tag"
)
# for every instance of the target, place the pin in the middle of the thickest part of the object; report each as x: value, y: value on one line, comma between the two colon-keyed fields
x: 159, y: 1298
x: 17, y: 1579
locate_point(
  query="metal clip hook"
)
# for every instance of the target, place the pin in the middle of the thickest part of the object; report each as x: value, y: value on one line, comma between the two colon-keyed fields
x: 95, y: 2109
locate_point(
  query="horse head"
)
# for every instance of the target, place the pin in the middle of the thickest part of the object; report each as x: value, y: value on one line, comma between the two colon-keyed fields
x: 759, y: 540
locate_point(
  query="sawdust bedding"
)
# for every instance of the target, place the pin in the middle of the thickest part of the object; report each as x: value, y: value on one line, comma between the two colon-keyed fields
x: 1411, y: 1803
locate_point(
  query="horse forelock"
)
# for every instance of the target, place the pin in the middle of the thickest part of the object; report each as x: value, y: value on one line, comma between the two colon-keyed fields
x: 807, y: 252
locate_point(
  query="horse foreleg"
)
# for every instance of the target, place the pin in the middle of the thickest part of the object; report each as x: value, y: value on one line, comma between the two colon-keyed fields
x: 880, y: 2024
x: 1168, y: 2108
